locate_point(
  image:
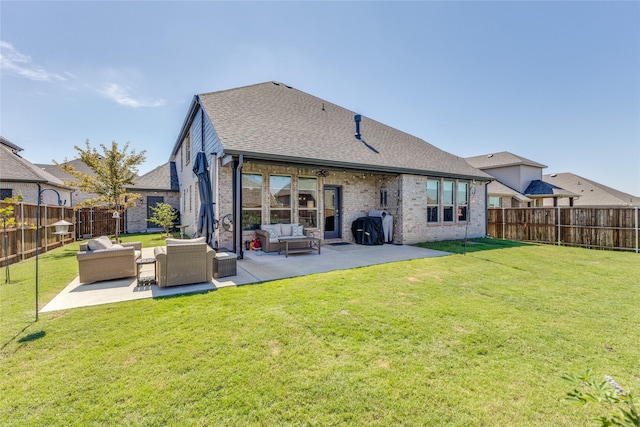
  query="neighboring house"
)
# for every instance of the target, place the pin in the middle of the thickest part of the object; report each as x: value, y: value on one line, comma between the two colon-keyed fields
x: 591, y: 193
x: 157, y: 186
x: 78, y: 196
x: 518, y: 182
x: 279, y: 155
x: 19, y: 177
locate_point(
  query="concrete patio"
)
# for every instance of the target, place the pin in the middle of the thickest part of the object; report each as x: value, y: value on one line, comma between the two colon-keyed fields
x: 256, y: 267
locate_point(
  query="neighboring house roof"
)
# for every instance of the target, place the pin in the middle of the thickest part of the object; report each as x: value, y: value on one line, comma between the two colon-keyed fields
x: 496, y: 188
x: 591, y: 193
x: 163, y: 177
x: 501, y: 159
x: 11, y: 145
x: 273, y: 121
x: 539, y: 188
x: 78, y: 164
x: 13, y: 168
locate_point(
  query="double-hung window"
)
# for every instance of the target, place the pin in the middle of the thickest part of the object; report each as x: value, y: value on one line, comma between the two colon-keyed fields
x: 280, y: 199
x: 447, y: 201
x: 433, y: 200
x: 251, y: 201
x: 463, y: 201
x: 308, y: 202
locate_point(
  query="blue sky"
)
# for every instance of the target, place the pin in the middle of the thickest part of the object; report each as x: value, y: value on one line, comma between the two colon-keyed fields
x: 555, y: 82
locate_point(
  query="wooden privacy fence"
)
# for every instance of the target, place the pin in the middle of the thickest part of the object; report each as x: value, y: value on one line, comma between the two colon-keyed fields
x: 97, y: 222
x: 21, y: 240
x: 598, y: 228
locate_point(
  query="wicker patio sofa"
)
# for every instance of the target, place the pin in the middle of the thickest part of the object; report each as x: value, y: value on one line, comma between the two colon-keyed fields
x: 268, y: 234
x: 100, y: 259
x: 183, y: 262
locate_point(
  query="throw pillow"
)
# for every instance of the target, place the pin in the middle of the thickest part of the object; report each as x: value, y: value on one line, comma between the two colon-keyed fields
x: 99, y: 243
x: 117, y: 247
x: 272, y: 229
x: 285, y: 229
x: 297, y: 230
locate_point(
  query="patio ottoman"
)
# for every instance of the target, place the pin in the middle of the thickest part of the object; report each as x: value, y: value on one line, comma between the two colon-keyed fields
x: 224, y: 264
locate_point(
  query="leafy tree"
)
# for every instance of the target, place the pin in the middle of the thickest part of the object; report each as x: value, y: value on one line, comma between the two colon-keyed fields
x: 164, y: 216
x: 113, y: 171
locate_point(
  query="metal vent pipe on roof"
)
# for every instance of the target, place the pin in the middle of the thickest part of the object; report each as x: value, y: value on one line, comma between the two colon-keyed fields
x: 357, y: 118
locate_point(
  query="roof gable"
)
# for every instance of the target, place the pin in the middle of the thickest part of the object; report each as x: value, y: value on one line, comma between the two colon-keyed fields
x: 275, y: 121
x: 15, y: 168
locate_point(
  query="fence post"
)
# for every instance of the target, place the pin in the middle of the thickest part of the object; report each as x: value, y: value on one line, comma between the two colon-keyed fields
x: 503, y: 224
x: 559, y: 225
x: 636, y: 229
x: 46, y: 219
x: 22, y: 225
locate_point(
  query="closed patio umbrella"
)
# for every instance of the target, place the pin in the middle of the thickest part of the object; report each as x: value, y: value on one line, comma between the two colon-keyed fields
x: 206, y: 220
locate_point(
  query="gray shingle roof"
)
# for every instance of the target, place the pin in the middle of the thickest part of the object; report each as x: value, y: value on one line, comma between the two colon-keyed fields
x: 11, y: 145
x: 163, y: 177
x: 538, y: 187
x: 496, y: 188
x: 274, y: 121
x: 17, y: 169
x: 60, y: 174
x: 501, y: 159
x: 591, y: 193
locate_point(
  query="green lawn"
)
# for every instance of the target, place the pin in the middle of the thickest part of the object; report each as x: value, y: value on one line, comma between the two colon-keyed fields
x: 480, y: 339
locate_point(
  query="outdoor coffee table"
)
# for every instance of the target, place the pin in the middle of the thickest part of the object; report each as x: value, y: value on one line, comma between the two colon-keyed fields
x: 313, y: 244
x: 146, y: 280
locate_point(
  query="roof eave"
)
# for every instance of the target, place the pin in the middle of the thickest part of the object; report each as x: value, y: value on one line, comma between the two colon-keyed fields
x: 357, y: 166
x: 193, y: 109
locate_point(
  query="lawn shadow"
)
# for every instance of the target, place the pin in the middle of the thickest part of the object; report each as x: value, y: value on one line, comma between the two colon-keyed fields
x: 66, y: 253
x: 32, y: 337
x: 472, y: 245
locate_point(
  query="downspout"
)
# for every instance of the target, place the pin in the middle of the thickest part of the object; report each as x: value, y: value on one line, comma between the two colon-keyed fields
x: 213, y: 177
x: 237, y: 206
x: 486, y: 209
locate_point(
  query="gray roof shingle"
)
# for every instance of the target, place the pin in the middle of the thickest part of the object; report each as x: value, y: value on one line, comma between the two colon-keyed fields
x: 538, y: 187
x: 163, y: 177
x: 17, y: 169
x: 274, y: 121
x: 501, y: 159
x: 591, y: 193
